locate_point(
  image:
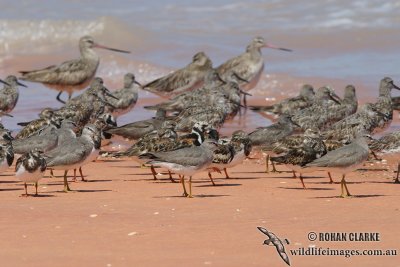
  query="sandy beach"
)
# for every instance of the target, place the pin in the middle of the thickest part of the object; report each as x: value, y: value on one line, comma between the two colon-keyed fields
x: 122, y: 217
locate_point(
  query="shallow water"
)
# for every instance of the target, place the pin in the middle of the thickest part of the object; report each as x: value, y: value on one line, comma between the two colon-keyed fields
x: 334, y: 42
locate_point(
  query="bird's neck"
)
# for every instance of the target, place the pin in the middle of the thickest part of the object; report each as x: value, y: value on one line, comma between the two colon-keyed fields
x: 90, y: 56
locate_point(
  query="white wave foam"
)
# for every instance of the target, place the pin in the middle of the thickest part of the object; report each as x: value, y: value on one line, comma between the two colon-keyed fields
x: 44, y: 36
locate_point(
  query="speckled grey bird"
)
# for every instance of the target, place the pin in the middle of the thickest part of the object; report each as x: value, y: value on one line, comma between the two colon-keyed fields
x: 215, y: 116
x: 72, y: 155
x: 384, y: 104
x: 230, y: 152
x: 137, y: 129
x: 164, y: 139
x: 364, y: 120
x: 325, y: 100
x: 297, y: 156
x: 212, y: 81
x: 70, y: 75
x: 125, y: 98
x: 268, y: 135
x: 5, y: 134
x: 46, y: 113
x: 45, y: 141
x: 249, y: 65
x: 35, y: 126
x: 186, y: 161
x: 78, y: 109
x: 185, y: 79
x: 372, y: 117
x: 9, y: 94
x: 344, y: 160
x: 288, y: 105
x: 388, y: 144
x: 30, y: 168
x: 6, y: 155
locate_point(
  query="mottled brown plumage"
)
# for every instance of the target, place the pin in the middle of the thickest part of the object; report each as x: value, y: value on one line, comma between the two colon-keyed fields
x: 185, y: 79
x: 70, y: 75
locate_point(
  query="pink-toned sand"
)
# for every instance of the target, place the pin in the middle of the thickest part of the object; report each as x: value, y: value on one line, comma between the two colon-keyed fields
x: 122, y: 217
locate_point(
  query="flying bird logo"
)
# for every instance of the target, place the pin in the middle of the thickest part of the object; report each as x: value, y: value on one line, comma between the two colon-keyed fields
x: 273, y: 240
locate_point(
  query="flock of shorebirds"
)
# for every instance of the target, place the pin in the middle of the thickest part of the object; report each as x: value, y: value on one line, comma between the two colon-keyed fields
x: 316, y: 130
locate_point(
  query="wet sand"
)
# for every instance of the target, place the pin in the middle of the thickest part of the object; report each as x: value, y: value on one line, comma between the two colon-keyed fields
x: 122, y: 217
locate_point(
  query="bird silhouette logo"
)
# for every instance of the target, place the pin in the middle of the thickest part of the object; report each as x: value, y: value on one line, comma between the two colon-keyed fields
x: 273, y: 240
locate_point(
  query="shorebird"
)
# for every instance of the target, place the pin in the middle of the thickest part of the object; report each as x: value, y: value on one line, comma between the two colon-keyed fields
x: 9, y: 94
x: 364, y: 120
x: 344, y: 160
x: 388, y: 144
x: 30, y: 168
x: 93, y: 147
x: 5, y: 134
x: 96, y: 89
x: 46, y: 113
x: 185, y: 162
x: 325, y: 100
x: 212, y: 82
x: 35, y: 126
x: 45, y: 141
x: 162, y: 140
x: 88, y: 106
x: 137, y: 129
x: 214, y: 115
x: 248, y: 65
x: 372, y: 117
x: 6, y: 155
x: 273, y: 133
x: 125, y: 98
x: 230, y: 152
x: 384, y: 104
x: 185, y: 79
x: 70, y: 75
x: 73, y: 154
x: 288, y: 105
x: 308, y: 148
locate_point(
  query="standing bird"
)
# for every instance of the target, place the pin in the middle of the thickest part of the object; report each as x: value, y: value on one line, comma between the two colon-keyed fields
x: 186, y: 161
x: 9, y: 94
x: 30, y: 168
x: 6, y: 155
x: 70, y: 75
x: 325, y: 100
x: 125, y: 98
x: 344, y: 160
x: 264, y: 136
x: 388, y: 144
x: 182, y: 80
x: 249, y: 65
x: 72, y: 154
x: 137, y: 129
x: 288, y: 105
x: 311, y: 148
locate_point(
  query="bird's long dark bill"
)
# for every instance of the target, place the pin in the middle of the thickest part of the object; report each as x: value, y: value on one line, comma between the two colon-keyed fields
x: 21, y: 84
x: 279, y: 48
x: 295, y: 123
x: 109, y: 104
x: 138, y: 83
x: 244, y: 93
x: 395, y: 86
x: 1, y: 81
x: 336, y: 98
x: 235, y: 75
x: 112, y: 49
x: 110, y: 95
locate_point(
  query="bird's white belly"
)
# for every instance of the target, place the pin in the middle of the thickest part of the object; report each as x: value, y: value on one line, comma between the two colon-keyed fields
x: 28, y: 177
